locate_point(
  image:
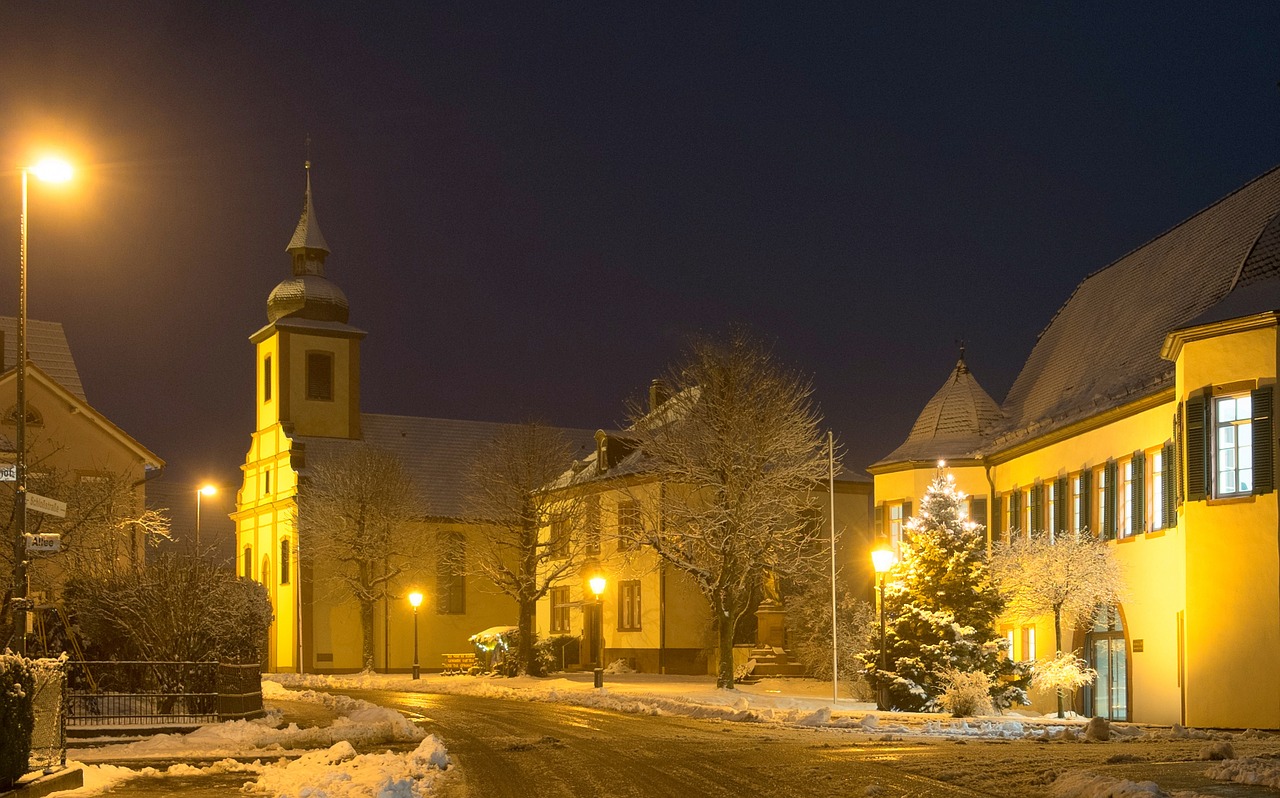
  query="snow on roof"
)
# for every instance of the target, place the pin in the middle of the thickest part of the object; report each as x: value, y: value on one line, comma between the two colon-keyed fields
x: 47, y: 347
x: 1102, y: 348
x: 437, y: 453
x: 954, y: 423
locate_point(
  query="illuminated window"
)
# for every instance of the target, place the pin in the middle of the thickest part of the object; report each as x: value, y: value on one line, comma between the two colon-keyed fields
x: 1028, y: 643
x: 629, y: 605
x: 1157, y: 490
x: 560, y: 610
x: 1233, y: 444
x: 559, y: 539
x: 1125, y: 500
x: 895, y: 525
x: 1052, y: 508
x: 1078, y: 521
x: 1103, y: 521
x: 320, y: 376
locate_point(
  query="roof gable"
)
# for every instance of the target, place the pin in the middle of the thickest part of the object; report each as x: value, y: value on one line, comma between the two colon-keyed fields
x: 47, y: 347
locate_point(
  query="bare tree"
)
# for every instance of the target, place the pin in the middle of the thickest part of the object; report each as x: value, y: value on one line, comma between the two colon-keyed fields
x: 1067, y: 575
x: 739, y: 453
x: 513, y: 489
x: 356, y: 514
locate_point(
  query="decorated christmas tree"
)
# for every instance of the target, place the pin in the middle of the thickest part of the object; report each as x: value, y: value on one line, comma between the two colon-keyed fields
x: 941, y: 608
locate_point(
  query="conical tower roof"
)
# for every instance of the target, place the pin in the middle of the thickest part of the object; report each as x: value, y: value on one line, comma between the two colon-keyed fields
x: 954, y: 424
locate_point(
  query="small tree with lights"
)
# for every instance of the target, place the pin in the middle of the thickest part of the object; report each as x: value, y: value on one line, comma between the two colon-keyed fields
x: 942, y: 608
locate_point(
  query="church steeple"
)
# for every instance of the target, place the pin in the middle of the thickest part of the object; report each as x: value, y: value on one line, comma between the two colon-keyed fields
x: 308, y: 246
x: 307, y: 294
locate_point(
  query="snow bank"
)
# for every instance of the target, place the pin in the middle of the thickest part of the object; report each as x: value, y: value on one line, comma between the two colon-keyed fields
x: 339, y: 772
x: 1249, y: 770
x: 1082, y: 784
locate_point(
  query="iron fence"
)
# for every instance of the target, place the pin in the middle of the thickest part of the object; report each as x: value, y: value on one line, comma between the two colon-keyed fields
x: 116, y: 694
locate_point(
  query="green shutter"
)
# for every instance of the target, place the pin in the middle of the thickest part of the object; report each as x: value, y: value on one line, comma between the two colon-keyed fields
x: 1037, y: 509
x: 1264, y: 462
x: 1197, y: 445
x: 1062, y: 496
x: 1138, y: 495
x: 906, y: 512
x: 1177, y: 456
x: 1109, y: 501
x: 879, y: 519
x: 978, y: 510
x: 1086, y: 499
x: 1015, y: 513
x: 997, y: 518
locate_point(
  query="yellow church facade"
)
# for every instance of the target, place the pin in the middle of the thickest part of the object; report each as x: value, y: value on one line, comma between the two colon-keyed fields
x: 1144, y: 416
x: 307, y: 401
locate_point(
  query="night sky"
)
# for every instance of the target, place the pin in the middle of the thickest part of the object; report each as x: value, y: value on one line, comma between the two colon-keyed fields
x: 531, y: 209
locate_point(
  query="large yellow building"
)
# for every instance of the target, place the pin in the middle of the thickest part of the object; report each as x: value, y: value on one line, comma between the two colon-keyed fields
x: 307, y: 366
x: 1143, y: 414
x: 650, y: 614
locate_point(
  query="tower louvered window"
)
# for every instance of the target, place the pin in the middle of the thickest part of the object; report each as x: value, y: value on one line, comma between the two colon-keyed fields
x: 320, y: 376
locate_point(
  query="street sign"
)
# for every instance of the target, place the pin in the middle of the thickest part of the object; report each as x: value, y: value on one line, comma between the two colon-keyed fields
x: 8, y: 473
x: 45, y: 542
x: 43, y: 504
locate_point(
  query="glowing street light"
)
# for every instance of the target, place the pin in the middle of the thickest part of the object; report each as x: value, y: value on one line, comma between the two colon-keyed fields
x: 55, y: 171
x: 204, y: 490
x: 883, y: 559
x: 597, y: 582
x: 415, y: 598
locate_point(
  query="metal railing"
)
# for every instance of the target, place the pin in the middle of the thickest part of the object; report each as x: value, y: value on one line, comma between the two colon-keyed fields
x: 121, y: 694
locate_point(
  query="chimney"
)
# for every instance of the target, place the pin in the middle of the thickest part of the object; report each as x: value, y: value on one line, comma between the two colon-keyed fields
x: 658, y: 394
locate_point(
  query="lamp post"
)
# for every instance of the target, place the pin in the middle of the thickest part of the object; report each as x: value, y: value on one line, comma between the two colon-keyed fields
x: 415, y: 598
x: 882, y: 559
x: 204, y: 490
x: 597, y: 587
x: 50, y: 170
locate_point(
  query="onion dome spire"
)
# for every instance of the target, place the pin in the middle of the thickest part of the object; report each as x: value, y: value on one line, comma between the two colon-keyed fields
x: 307, y: 294
x: 307, y: 246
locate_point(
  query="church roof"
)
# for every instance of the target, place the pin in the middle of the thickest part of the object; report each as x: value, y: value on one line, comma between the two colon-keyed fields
x: 956, y: 422
x: 437, y: 453
x: 1101, y: 350
x: 47, y: 347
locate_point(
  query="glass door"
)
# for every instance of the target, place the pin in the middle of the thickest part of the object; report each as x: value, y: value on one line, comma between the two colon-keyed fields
x: 1105, y: 644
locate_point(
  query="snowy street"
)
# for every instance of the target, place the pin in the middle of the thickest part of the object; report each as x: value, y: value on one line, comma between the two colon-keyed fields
x: 658, y: 736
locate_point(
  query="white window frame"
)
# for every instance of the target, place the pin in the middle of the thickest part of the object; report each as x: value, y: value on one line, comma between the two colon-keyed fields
x: 1233, y: 460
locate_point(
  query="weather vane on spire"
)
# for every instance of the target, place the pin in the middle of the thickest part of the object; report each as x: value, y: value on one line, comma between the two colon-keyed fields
x: 307, y: 163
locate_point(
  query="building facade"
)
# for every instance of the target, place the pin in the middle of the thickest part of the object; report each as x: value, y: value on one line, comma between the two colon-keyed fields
x: 1144, y: 416
x: 308, y: 410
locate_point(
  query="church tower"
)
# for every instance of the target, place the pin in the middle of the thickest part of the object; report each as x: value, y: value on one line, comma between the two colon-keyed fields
x: 307, y: 362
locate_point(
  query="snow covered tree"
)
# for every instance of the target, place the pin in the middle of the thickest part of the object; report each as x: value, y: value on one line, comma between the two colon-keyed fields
x: 511, y: 490
x: 809, y: 630
x: 1067, y: 575
x: 942, y: 607
x: 739, y: 454
x: 356, y: 514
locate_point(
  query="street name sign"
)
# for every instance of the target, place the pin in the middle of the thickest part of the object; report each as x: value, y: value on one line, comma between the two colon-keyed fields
x: 47, y: 542
x: 43, y: 504
x: 8, y: 473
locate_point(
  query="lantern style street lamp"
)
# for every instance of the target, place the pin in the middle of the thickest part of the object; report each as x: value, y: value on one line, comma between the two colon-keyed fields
x: 883, y: 559
x: 204, y: 490
x: 415, y: 598
x: 50, y: 170
x: 597, y: 583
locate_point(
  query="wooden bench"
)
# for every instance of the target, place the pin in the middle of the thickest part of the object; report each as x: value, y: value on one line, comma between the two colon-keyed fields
x: 458, y: 663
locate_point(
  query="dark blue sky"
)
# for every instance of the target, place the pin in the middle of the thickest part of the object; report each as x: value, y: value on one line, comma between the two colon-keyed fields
x: 531, y: 208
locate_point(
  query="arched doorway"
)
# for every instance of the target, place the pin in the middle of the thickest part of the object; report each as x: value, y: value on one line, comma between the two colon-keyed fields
x: 1108, y: 654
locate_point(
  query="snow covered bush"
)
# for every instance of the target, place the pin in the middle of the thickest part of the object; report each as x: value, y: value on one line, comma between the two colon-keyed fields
x: 17, y: 716
x: 1064, y: 671
x: 942, y: 607
x: 965, y: 694
x: 809, y: 632
x: 551, y: 653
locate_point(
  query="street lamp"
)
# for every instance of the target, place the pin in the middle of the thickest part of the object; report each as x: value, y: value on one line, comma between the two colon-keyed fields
x: 50, y: 170
x: 597, y: 587
x: 204, y: 490
x: 883, y: 559
x: 415, y: 598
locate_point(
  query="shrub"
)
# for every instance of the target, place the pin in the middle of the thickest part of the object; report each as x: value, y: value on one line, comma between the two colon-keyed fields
x: 965, y: 694
x: 17, y: 716
x: 809, y: 632
x: 1064, y: 671
x: 550, y: 654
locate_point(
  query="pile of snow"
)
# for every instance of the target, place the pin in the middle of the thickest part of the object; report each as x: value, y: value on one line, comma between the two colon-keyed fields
x: 1082, y: 784
x: 101, y: 779
x: 1249, y: 770
x: 339, y: 772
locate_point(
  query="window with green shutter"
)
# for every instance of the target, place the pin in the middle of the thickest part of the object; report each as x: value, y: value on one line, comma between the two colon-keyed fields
x: 1264, y: 479
x: 1037, y: 509
x: 1084, y: 510
x: 1060, y: 507
x: 1110, y: 505
x: 1197, y: 445
x: 1015, y: 513
x: 997, y: 519
x: 1137, y: 494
